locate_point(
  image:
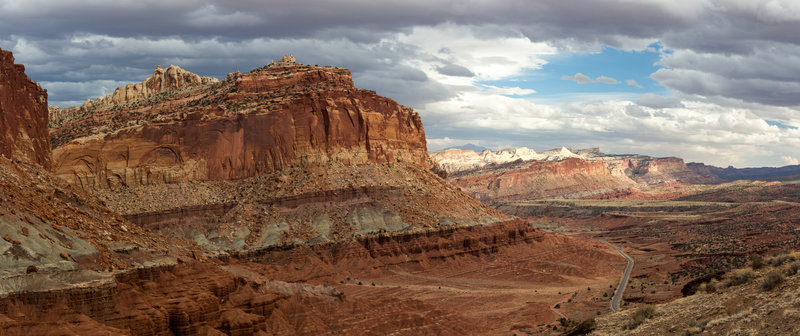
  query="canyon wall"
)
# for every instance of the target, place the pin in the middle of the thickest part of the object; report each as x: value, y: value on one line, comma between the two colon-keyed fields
x: 23, y: 115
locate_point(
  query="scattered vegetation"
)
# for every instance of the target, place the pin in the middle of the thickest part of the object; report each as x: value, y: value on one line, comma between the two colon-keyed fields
x: 697, y: 327
x: 709, y: 287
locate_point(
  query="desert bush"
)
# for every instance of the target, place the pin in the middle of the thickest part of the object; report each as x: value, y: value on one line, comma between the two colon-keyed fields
x: 757, y: 262
x: 708, y: 287
x: 696, y: 328
x: 793, y: 268
x: 772, y: 280
x: 739, y: 277
x: 639, y: 316
x: 781, y: 259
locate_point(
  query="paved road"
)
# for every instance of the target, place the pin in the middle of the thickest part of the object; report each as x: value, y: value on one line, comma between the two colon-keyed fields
x: 623, y: 282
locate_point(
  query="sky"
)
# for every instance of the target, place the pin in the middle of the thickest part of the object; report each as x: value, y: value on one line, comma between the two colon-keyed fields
x: 713, y: 81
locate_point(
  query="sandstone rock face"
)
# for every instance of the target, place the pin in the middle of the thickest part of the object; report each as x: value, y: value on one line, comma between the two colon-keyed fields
x: 281, y: 115
x: 23, y: 115
x: 562, y: 173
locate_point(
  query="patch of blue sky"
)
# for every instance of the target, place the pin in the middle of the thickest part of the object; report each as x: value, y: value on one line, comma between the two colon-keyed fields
x: 621, y: 65
x: 779, y: 124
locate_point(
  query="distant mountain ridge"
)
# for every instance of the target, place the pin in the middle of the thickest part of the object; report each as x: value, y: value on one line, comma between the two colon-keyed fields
x: 523, y: 173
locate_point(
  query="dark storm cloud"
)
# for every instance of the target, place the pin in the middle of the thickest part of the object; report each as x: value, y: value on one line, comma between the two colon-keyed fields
x: 250, y: 19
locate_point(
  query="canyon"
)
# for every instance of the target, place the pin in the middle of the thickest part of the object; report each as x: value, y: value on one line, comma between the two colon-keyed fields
x: 279, y: 201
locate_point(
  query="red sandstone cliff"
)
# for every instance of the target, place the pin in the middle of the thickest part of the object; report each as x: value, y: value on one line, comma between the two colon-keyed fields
x: 250, y: 124
x: 23, y: 115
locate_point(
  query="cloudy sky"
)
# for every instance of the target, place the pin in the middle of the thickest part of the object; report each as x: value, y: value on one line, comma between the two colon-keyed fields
x: 714, y: 81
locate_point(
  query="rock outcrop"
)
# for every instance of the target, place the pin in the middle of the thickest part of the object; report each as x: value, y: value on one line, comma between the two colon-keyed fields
x: 23, y: 115
x: 458, y: 160
x: 162, y: 83
x: 315, y: 290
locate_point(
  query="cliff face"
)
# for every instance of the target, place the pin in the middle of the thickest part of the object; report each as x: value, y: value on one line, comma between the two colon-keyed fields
x: 562, y: 173
x: 23, y: 115
x: 250, y: 124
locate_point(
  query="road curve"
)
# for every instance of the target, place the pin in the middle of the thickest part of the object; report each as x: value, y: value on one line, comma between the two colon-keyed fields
x: 623, y: 282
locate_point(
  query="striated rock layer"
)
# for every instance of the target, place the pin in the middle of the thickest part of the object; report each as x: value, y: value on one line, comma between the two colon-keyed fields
x: 250, y: 124
x: 23, y: 115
